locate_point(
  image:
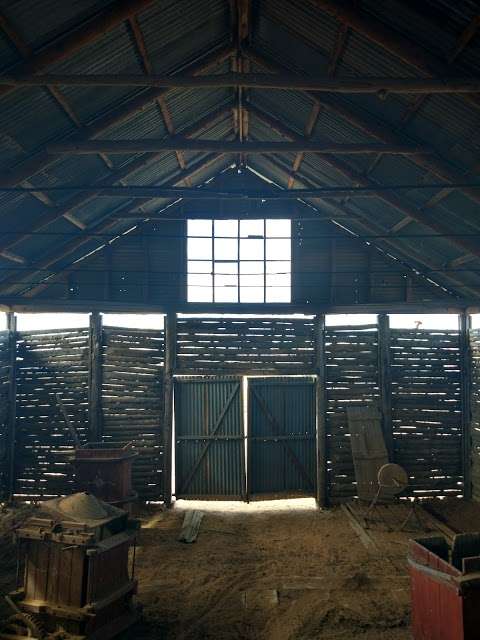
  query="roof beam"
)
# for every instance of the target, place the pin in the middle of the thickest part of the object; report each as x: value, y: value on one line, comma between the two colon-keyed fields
x: 382, y: 86
x: 6, y: 242
x: 41, y: 159
x: 143, y: 191
x: 435, y: 164
x: 398, y: 45
x: 164, y: 110
x: 178, y: 143
x: 10, y: 284
x: 469, y: 244
x: 93, y: 29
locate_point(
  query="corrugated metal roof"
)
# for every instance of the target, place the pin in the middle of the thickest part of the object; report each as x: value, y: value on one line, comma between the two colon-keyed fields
x: 42, y: 21
x: 292, y: 34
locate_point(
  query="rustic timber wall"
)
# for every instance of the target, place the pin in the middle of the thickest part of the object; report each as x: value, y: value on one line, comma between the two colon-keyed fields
x: 132, y: 400
x: 49, y: 362
x: 475, y: 423
x: 426, y: 409
x: 351, y: 378
x: 238, y: 345
x: 112, y: 380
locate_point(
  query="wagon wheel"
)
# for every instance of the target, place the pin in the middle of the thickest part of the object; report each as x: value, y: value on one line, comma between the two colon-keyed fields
x: 23, y: 624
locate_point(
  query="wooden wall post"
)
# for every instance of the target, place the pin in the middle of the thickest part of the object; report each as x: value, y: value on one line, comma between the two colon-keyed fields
x: 12, y: 400
x: 466, y: 400
x: 169, y: 370
x: 385, y: 381
x: 95, y: 378
x: 321, y: 400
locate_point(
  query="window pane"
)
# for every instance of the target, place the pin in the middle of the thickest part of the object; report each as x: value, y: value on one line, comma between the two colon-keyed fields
x: 251, y: 282
x: 199, y: 228
x: 278, y: 294
x: 199, y: 248
x: 251, y: 228
x: 278, y: 249
x: 226, y: 268
x: 226, y: 249
x: 252, y: 268
x: 278, y: 266
x: 199, y: 287
x: 278, y: 228
x: 199, y: 266
x: 226, y: 228
x: 278, y: 280
x: 251, y: 249
x: 251, y: 294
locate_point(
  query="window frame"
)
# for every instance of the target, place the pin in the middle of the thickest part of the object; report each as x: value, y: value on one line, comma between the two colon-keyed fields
x: 237, y: 261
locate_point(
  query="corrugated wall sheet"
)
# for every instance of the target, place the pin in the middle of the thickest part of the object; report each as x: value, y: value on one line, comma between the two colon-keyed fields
x: 209, y: 438
x: 282, y: 436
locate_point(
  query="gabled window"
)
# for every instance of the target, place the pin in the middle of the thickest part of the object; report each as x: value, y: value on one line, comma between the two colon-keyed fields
x: 239, y: 260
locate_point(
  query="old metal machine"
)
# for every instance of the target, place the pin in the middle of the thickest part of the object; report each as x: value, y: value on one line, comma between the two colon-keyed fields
x: 77, y: 582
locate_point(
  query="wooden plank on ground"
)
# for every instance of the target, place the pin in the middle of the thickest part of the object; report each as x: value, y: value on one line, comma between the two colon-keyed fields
x: 191, y: 526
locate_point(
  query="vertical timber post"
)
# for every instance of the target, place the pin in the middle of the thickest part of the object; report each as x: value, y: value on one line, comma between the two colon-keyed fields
x: 170, y: 361
x: 466, y: 397
x: 385, y: 381
x: 321, y: 400
x: 95, y: 378
x: 12, y: 400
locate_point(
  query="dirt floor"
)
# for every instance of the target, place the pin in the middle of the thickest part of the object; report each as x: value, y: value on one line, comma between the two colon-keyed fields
x: 273, y: 571
x: 278, y: 570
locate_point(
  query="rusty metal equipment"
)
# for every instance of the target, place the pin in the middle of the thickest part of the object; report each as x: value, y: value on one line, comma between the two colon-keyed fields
x: 106, y: 472
x: 77, y: 584
x: 445, y: 583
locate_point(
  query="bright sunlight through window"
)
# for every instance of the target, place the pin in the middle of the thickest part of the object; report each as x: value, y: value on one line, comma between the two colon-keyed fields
x: 239, y: 260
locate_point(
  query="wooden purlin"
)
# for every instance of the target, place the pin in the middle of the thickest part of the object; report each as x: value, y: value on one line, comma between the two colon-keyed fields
x: 351, y: 355
x: 50, y: 362
x: 427, y: 409
x: 211, y: 345
x: 132, y: 401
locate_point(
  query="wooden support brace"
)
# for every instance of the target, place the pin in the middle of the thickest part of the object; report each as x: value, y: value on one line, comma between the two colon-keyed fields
x: 385, y: 382
x: 169, y: 370
x: 95, y: 378
x: 321, y: 400
x: 12, y: 402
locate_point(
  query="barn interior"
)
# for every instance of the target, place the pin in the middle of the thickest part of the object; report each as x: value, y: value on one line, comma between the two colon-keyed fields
x: 239, y: 319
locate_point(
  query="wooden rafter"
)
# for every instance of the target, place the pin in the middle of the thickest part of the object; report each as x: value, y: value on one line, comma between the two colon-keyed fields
x: 6, y: 242
x: 436, y: 165
x: 147, y: 66
x: 398, y: 45
x: 408, y: 210
x: 41, y: 159
x: 63, y: 47
x: 338, y: 50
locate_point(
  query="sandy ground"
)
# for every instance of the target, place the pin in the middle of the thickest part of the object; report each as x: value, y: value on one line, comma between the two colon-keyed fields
x: 279, y: 570
x: 270, y: 571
